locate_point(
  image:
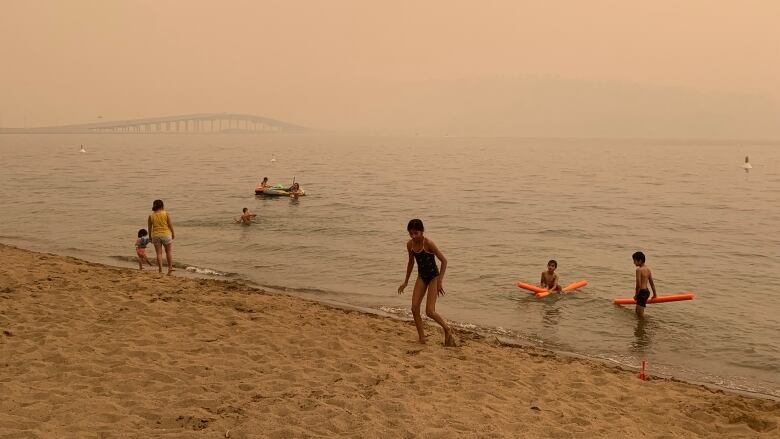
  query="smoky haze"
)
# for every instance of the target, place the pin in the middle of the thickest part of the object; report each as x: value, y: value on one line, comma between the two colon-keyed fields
x: 488, y: 68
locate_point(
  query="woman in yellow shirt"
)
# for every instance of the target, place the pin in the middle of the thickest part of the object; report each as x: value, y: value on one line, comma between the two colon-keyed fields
x: 162, y: 234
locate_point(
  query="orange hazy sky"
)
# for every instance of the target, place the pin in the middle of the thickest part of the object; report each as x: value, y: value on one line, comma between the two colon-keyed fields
x: 342, y: 64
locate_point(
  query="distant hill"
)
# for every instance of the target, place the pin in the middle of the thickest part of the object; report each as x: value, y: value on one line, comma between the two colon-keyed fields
x: 551, y: 107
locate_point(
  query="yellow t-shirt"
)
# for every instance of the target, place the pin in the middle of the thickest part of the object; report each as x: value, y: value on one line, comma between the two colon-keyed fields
x: 159, y: 224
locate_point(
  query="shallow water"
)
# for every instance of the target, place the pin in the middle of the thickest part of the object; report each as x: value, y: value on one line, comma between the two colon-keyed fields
x: 498, y: 209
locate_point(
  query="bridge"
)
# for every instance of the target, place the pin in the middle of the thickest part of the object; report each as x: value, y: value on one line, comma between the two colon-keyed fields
x: 187, y: 123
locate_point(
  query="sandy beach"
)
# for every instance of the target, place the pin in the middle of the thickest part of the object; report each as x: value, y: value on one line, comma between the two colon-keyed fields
x: 92, y: 351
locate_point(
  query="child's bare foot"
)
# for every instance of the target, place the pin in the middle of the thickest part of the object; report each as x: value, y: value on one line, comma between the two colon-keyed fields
x: 449, y: 340
x: 171, y: 270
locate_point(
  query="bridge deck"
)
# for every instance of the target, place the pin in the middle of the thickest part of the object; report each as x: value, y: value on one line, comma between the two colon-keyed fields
x: 187, y: 123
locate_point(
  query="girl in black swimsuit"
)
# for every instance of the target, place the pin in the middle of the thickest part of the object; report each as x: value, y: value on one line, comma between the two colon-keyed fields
x: 429, y: 279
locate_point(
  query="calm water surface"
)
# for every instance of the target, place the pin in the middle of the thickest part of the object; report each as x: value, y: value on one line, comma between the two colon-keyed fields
x: 498, y: 209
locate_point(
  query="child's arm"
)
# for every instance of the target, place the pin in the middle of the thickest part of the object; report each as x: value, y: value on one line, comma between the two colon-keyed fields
x: 638, y: 278
x: 170, y: 225
x: 409, y: 266
x: 543, y: 282
x: 443, y: 268
x: 652, y: 284
x: 137, y: 242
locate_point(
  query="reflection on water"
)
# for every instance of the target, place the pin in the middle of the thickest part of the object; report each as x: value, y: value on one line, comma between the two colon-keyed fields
x: 551, y: 315
x: 642, y: 336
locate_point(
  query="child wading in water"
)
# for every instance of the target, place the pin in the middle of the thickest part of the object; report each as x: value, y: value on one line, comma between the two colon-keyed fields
x: 550, y: 279
x: 429, y: 279
x: 246, y: 217
x: 643, y: 277
x: 161, y: 229
x: 140, y: 248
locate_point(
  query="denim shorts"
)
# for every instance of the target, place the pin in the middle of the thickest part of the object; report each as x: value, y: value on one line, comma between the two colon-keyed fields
x: 162, y: 240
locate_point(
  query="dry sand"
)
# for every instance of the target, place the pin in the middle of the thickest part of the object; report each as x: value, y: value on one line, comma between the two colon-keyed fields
x: 91, y: 351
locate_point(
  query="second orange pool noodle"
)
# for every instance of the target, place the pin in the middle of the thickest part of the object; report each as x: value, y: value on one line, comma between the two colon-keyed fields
x: 530, y: 287
x: 568, y: 289
x: 659, y: 299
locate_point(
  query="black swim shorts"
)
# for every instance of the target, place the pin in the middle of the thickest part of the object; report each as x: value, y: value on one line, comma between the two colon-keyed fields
x: 642, y: 296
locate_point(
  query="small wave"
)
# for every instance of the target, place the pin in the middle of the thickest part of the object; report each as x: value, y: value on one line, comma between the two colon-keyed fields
x: 395, y: 311
x: 206, y: 271
x: 186, y: 267
x: 315, y: 291
x: 508, y: 335
x: 126, y: 258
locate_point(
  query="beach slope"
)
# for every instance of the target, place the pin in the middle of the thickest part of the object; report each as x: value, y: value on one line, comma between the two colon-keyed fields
x: 92, y: 351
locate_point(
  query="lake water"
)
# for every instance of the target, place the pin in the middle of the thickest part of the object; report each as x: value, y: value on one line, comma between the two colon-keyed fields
x: 497, y: 208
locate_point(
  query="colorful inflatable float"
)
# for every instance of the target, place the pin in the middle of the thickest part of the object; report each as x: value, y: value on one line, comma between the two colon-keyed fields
x: 279, y: 191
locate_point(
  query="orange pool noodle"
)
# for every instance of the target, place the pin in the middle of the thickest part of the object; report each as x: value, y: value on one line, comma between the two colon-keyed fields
x: 575, y: 285
x: 529, y: 287
x: 659, y: 299
x: 567, y: 289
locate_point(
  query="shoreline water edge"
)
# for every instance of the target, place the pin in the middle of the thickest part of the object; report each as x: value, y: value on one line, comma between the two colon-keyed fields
x: 89, y: 348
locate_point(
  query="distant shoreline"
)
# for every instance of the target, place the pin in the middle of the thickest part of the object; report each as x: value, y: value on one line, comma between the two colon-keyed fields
x: 312, y: 132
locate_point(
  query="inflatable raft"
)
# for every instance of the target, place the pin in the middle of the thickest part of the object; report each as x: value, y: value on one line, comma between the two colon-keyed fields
x: 278, y: 191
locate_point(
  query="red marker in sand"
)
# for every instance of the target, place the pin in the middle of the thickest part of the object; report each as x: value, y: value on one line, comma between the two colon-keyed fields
x: 642, y: 372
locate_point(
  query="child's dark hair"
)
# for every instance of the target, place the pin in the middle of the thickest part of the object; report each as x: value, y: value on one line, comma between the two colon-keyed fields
x: 245, y: 209
x: 554, y: 262
x: 142, y: 233
x: 415, y: 224
x: 638, y: 256
x: 157, y: 205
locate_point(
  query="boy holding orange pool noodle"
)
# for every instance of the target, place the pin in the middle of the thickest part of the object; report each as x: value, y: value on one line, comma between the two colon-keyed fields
x: 643, y: 277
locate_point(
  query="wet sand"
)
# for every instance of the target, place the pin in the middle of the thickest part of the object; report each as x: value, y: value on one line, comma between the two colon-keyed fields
x: 88, y: 350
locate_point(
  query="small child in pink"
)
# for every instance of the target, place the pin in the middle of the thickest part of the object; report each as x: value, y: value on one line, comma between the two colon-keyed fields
x: 140, y: 248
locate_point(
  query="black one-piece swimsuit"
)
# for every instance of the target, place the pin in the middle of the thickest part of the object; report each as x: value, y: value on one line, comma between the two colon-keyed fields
x: 426, y: 265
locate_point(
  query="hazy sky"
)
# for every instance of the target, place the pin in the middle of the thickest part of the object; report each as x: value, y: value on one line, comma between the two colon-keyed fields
x: 469, y: 67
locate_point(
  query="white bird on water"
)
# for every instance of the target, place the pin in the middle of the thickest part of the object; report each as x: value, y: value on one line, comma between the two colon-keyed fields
x: 273, y: 159
x: 82, y: 149
x: 747, y: 166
